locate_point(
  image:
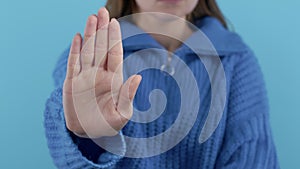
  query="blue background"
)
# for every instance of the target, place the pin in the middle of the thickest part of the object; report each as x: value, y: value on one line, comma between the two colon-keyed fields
x: 34, y: 33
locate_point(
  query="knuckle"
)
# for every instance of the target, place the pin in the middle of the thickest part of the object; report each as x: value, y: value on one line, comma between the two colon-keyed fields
x: 115, y: 52
x: 73, y: 60
x: 75, y: 68
x: 72, y: 65
x: 101, y: 46
x: 87, y: 52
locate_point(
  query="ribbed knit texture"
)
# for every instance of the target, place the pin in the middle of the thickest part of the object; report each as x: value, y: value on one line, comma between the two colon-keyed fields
x: 242, y: 140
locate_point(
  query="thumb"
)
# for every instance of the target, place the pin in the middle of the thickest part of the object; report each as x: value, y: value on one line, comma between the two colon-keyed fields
x: 126, y: 95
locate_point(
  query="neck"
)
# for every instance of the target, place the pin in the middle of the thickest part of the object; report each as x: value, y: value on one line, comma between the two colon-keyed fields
x: 173, y: 31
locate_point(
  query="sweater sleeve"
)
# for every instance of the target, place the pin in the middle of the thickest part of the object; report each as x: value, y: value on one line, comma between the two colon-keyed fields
x: 67, y: 150
x: 248, y: 142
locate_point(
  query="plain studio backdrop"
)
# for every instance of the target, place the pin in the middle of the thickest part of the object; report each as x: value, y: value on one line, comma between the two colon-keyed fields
x: 34, y: 33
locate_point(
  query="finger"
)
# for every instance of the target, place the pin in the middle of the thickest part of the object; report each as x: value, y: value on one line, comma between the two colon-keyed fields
x: 115, y: 53
x: 88, y: 48
x: 90, y: 27
x: 73, y: 67
x: 102, y: 38
x: 127, y: 93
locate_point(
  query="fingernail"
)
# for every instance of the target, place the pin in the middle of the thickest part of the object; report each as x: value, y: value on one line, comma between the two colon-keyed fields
x: 138, y: 78
x: 113, y: 20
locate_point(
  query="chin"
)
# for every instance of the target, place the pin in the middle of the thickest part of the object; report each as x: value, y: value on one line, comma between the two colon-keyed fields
x: 172, y: 13
x: 166, y: 16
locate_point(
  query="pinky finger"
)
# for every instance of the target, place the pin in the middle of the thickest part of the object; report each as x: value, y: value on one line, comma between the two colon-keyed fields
x: 74, y: 67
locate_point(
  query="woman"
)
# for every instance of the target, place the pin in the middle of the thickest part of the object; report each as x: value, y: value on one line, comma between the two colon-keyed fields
x: 87, y: 117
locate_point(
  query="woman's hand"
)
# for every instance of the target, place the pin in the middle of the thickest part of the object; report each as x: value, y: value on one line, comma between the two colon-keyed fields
x: 96, y: 102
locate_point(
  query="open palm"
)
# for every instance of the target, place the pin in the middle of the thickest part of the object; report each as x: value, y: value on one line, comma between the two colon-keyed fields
x: 96, y: 102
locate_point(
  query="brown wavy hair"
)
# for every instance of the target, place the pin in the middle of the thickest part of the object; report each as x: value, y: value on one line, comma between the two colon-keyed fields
x: 120, y: 8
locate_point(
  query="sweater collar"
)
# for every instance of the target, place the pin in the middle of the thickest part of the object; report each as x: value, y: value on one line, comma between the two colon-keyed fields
x: 221, y: 41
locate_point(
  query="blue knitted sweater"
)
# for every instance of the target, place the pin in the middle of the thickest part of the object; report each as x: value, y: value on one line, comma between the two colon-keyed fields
x: 242, y: 139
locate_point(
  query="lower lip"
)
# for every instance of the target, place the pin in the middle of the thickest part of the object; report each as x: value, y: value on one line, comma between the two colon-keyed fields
x: 170, y: 1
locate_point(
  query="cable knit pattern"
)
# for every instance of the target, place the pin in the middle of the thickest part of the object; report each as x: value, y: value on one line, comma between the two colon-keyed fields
x: 60, y: 142
x: 242, y: 140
